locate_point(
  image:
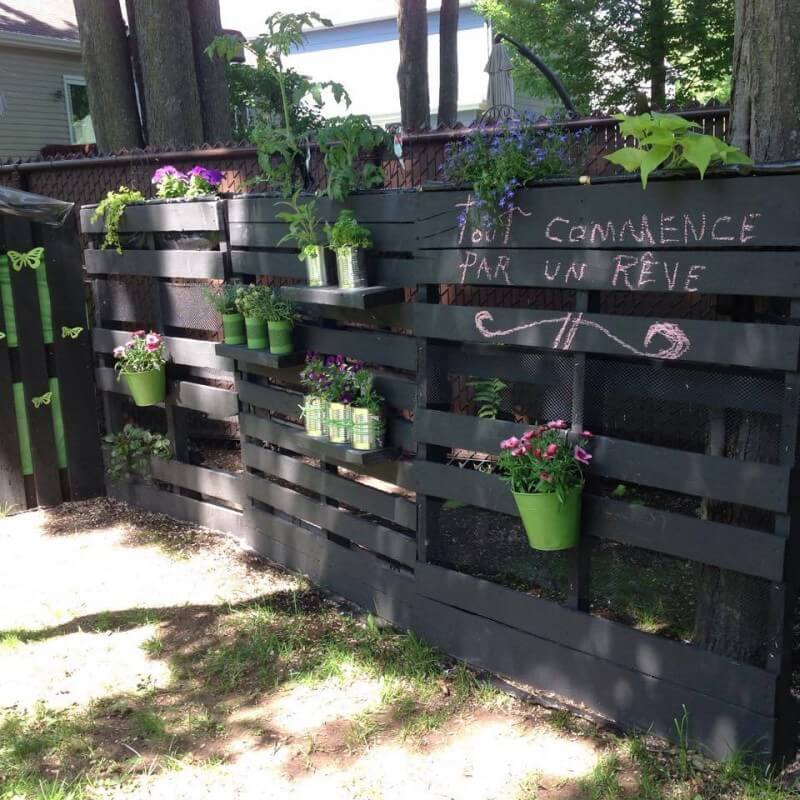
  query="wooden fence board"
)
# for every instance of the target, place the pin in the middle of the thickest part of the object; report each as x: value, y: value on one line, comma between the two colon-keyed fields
x: 189, y: 352
x: 164, y: 216
x: 156, y: 263
x: 12, y: 485
x: 387, y: 349
x: 208, y: 482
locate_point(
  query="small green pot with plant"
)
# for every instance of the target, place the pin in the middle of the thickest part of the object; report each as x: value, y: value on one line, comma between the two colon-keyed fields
x: 223, y: 299
x: 253, y: 302
x: 315, y: 380
x: 349, y: 241
x: 304, y: 232
x: 141, y: 362
x: 366, y: 411
x: 280, y: 324
x: 545, y: 472
x: 131, y: 449
x: 111, y: 208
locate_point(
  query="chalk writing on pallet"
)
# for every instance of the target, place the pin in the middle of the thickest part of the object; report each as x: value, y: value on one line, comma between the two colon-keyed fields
x: 678, y: 343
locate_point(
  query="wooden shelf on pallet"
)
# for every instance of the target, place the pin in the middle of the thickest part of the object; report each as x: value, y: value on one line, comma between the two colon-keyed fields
x: 262, y: 358
x: 324, y: 448
x: 362, y: 299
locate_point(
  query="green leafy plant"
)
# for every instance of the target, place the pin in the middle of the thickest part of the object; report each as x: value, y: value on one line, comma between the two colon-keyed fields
x: 346, y: 232
x: 303, y: 225
x: 364, y: 393
x: 488, y: 395
x: 346, y: 143
x: 669, y: 141
x: 131, y: 449
x: 222, y: 298
x: 253, y: 301
x: 278, y: 138
x: 280, y: 309
x: 111, y: 208
x: 141, y: 353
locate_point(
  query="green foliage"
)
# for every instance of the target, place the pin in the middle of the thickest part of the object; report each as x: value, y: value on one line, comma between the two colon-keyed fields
x: 488, y: 395
x: 222, y: 298
x: 346, y: 232
x: 344, y: 142
x: 111, y: 208
x: 254, y: 301
x: 364, y: 392
x: 303, y: 224
x: 280, y: 309
x: 602, y: 783
x: 668, y: 141
x: 131, y: 450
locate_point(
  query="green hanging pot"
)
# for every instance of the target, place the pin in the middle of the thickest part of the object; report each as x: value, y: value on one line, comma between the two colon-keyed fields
x: 549, y: 523
x: 147, y: 388
x: 280, y: 336
x: 233, y: 328
x: 256, y: 333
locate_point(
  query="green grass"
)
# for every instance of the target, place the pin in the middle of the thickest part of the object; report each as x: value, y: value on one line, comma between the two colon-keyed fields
x: 602, y: 783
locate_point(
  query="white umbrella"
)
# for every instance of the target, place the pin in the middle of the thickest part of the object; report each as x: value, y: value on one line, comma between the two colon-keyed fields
x: 501, y: 83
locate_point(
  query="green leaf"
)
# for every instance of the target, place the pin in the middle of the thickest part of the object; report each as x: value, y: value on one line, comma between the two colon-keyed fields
x: 658, y: 137
x: 652, y: 159
x: 629, y: 158
x: 672, y: 122
x: 700, y: 150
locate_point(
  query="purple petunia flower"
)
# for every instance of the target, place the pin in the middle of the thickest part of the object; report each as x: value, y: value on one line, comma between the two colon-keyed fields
x: 168, y: 172
x: 210, y: 176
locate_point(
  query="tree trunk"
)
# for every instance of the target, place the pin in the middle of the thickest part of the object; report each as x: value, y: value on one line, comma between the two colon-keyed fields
x: 448, y: 63
x: 657, y: 35
x: 412, y: 74
x: 107, y: 65
x: 732, y: 609
x: 212, y: 83
x: 170, y: 84
x: 138, y: 81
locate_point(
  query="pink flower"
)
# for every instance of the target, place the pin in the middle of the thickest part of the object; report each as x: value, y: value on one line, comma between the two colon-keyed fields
x: 519, y: 451
x: 552, y: 449
x: 138, y: 334
x: 581, y: 455
x: 587, y: 434
x: 152, y: 341
x: 119, y: 352
x: 508, y: 444
x: 537, y: 453
x: 130, y: 343
x: 557, y: 424
x: 528, y: 435
x: 545, y: 476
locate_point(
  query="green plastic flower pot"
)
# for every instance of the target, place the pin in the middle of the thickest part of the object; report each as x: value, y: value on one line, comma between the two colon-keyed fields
x: 233, y: 328
x: 256, y: 333
x: 147, y: 388
x: 280, y: 337
x: 549, y: 523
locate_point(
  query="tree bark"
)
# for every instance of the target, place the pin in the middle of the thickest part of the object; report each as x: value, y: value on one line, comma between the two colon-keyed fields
x: 448, y: 63
x: 164, y: 39
x: 212, y: 83
x: 412, y: 74
x: 109, y: 79
x: 657, y: 35
x: 732, y: 609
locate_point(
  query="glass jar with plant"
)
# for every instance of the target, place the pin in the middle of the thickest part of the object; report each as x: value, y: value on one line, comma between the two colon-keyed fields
x: 350, y: 146
x: 304, y: 231
x: 349, y: 241
x: 223, y: 299
x: 340, y: 398
x: 111, y: 208
x: 315, y: 379
x: 367, y: 411
x: 131, y: 449
x: 141, y: 362
x: 253, y: 302
x: 544, y: 469
x: 280, y: 323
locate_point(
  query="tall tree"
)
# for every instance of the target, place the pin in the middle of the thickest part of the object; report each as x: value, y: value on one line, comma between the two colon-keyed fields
x: 212, y: 81
x: 732, y: 615
x: 107, y: 64
x: 412, y: 74
x: 448, y: 63
x: 164, y: 35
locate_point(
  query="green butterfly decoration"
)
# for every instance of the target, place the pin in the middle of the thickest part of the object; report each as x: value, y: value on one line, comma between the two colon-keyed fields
x: 32, y: 259
x: 44, y: 400
x: 71, y: 333
x: 2, y: 336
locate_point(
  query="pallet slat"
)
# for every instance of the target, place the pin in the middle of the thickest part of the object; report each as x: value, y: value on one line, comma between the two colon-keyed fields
x: 205, y: 265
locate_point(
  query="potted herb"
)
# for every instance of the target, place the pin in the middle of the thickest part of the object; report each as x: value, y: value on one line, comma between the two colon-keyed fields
x: 349, y: 241
x: 223, y: 299
x: 253, y: 302
x: 141, y: 362
x: 131, y: 450
x: 111, y: 208
x: 367, y: 411
x: 303, y: 230
x: 545, y: 472
x: 280, y: 322
x: 315, y: 379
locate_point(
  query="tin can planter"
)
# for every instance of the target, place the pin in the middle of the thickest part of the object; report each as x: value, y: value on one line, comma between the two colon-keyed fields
x: 316, y: 269
x: 315, y: 414
x: 233, y: 328
x: 147, y: 388
x: 367, y: 429
x: 351, y: 267
x: 340, y: 421
x: 280, y: 336
x: 256, y: 333
x: 549, y: 523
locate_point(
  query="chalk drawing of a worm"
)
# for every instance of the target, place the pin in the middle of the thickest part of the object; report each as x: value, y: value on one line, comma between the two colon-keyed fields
x: 678, y: 341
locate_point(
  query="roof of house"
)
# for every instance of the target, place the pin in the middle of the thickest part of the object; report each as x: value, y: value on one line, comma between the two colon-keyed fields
x: 54, y: 19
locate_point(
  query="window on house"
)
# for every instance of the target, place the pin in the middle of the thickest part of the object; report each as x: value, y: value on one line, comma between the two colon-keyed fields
x: 81, y: 130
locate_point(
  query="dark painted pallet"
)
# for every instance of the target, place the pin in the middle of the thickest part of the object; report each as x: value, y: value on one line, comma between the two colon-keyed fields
x: 195, y: 264
x: 363, y: 299
x: 263, y: 358
x: 200, y: 215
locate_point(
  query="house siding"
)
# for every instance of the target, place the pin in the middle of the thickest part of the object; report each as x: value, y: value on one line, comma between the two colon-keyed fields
x: 34, y: 115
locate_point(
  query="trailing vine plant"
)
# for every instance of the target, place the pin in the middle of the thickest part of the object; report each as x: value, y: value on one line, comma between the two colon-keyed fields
x: 111, y: 208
